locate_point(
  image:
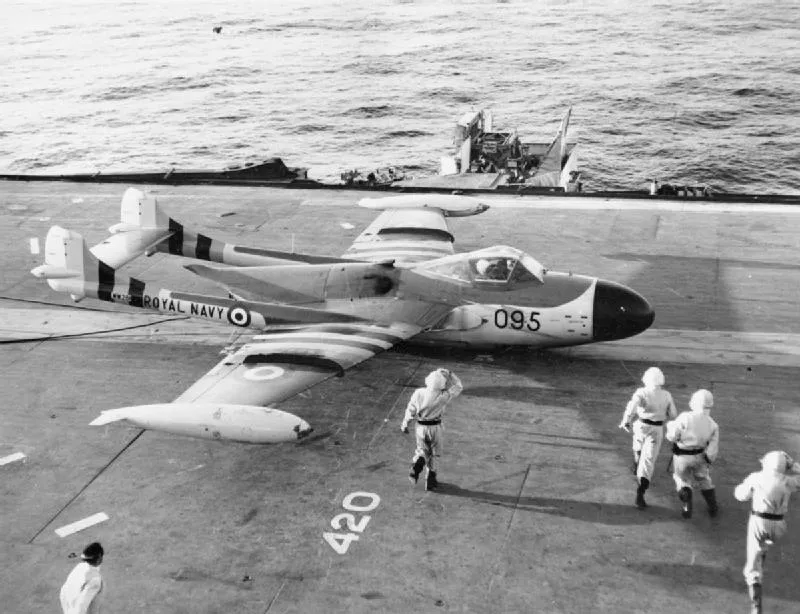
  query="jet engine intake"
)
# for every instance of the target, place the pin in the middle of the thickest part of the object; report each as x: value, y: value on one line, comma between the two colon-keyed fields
x: 460, y: 318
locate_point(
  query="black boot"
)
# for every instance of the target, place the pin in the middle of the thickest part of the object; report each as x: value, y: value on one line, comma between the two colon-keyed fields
x: 685, y: 495
x: 644, y: 484
x: 416, y: 469
x: 755, y: 598
x: 431, y: 482
x: 711, y: 499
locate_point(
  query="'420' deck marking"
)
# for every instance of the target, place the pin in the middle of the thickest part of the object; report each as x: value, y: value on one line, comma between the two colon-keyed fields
x: 340, y: 542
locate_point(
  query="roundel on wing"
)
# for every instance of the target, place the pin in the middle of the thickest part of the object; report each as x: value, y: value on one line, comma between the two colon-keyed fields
x: 238, y: 315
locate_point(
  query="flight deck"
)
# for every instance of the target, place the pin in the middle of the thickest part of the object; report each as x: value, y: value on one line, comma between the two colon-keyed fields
x: 536, y: 508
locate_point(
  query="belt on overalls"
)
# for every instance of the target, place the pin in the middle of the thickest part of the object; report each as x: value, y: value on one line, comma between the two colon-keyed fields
x: 428, y: 422
x: 652, y: 422
x: 686, y: 451
x: 767, y: 516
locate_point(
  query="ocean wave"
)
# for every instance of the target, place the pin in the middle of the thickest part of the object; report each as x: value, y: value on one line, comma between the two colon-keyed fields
x: 378, y: 110
x: 713, y: 119
x: 120, y: 92
x: 308, y: 128
x: 407, y: 133
x: 179, y: 84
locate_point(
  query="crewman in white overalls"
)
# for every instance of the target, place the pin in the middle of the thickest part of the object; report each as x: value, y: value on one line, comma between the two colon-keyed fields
x: 647, y: 410
x: 80, y: 594
x: 769, y: 490
x: 695, y: 438
x: 427, y: 407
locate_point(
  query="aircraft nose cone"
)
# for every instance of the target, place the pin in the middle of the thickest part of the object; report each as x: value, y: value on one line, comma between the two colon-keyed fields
x: 619, y: 312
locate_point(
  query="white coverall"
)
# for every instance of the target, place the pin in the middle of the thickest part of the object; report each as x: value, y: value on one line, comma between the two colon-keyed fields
x: 80, y: 594
x: 769, y: 490
x: 647, y: 405
x: 427, y: 405
x: 693, y: 431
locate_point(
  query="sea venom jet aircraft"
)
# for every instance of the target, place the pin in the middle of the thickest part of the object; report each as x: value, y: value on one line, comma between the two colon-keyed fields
x: 317, y: 316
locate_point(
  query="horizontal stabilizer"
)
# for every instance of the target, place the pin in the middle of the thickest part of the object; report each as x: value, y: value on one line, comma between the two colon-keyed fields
x: 122, y: 247
x: 49, y: 271
x: 142, y: 226
x: 68, y: 265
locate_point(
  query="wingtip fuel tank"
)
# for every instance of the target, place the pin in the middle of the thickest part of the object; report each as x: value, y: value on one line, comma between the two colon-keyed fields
x: 219, y: 421
x: 451, y: 205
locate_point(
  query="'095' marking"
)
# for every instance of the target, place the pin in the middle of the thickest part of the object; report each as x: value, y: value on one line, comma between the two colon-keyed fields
x: 515, y: 318
x: 340, y: 542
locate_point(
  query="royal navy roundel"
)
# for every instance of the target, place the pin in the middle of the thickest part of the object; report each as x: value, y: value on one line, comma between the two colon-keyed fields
x: 239, y: 316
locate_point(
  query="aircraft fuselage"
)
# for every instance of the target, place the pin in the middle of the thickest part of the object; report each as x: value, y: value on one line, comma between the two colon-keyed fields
x: 566, y: 309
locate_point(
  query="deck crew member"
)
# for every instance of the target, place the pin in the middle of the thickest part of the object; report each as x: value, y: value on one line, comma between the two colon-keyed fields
x: 695, y: 439
x: 647, y: 410
x: 427, y: 407
x: 769, y: 490
x: 80, y: 594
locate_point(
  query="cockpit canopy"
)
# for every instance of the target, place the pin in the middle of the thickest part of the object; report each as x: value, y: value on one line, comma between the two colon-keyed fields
x: 494, y: 266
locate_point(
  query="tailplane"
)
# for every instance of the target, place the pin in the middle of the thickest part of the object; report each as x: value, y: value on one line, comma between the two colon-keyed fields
x: 69, y: 266
x: 142, y: 227
x: 145, y: 228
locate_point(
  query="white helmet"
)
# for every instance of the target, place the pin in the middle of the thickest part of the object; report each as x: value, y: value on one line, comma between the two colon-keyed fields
x: 776, y: 461
x: 702, y: 400
x: 653, y: 377
x: 436, y: 380
x: 482, y: 266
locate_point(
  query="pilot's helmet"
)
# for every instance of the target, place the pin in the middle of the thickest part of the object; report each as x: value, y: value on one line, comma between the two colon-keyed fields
x: 776, y: 461
x: 482, y: 266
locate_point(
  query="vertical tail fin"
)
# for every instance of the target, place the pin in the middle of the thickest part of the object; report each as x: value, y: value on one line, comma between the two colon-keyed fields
x: 141, y: 210
x: 143, y: 225
x: 69, y: 266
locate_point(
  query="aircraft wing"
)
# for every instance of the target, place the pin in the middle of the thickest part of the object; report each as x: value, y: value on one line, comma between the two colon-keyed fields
x: 228, y: 403
x: 280, y: 364
x: 411, y: 228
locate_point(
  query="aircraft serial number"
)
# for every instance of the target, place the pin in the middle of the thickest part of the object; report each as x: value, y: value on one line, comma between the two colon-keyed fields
x: 514, y: 318
x: 340, y: 542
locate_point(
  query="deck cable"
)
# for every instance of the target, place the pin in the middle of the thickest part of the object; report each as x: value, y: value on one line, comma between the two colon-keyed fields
x: 86, y: 486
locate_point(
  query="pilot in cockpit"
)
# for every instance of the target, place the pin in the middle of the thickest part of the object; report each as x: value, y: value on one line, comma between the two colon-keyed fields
x: 492, y: 268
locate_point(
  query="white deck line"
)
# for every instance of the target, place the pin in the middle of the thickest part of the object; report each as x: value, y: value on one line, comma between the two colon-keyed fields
x: 12, y: 458
x: 80, y: 525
